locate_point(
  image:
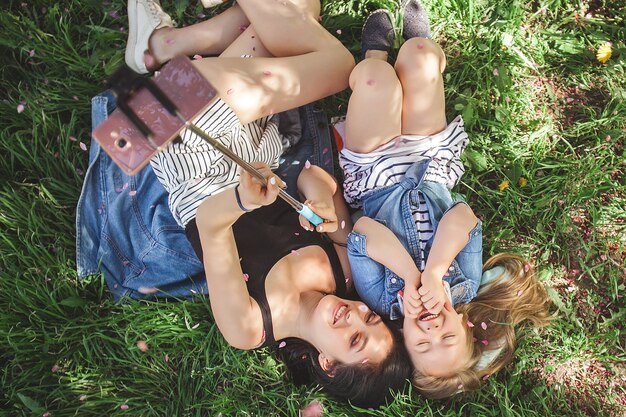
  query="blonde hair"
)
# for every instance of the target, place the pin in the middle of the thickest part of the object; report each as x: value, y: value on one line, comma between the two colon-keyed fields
x: 515, y: 297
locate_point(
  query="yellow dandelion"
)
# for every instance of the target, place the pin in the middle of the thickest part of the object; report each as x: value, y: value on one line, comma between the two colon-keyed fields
x: 504, y: 185
x: 604, y: 52
x: 523, y: 182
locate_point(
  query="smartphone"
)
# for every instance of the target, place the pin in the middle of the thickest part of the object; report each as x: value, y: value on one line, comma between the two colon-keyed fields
x: 190, y: 92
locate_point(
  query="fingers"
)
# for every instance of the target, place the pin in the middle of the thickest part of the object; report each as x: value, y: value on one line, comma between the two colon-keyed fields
x: 425, y: 294
x: 412, y: 307
x: 432, y: 300
x: 265, y: 171
x: 256, y: 191
x: 328, y: 214
x: 306, y: 225
x: 433, y: 306
x: 412, y: 302
x: 270, y: 192
x: 327, y: 226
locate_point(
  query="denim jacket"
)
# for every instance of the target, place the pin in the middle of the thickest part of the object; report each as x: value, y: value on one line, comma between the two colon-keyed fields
x: 378, y: 286
x: 125, y: 230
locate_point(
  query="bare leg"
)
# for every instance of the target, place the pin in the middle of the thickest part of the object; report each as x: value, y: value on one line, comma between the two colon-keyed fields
x: 375, y: 106
x: 419, y: 66
x: 295, y: 17
x: 211, y: 37
x: 248, y: 44
x: 311, y: 63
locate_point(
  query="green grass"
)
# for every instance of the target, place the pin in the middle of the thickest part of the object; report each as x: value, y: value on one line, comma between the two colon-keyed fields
x: 553, y: 115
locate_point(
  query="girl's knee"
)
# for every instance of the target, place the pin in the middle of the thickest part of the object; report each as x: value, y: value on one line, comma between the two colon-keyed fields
x: 371, y: 73
x: 421, y: 54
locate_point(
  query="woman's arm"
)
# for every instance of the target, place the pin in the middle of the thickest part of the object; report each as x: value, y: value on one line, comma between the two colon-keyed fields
x: 321, y: 190
x: 451, y: 236
x: 237, y: 315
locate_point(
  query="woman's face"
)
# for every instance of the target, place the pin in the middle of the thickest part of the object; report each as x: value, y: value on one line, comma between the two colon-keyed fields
x: 348, y: 332
x: 436, y: 343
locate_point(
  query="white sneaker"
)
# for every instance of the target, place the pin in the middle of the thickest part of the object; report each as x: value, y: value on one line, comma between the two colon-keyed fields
x: 211, y: 3
x: 144, y: 17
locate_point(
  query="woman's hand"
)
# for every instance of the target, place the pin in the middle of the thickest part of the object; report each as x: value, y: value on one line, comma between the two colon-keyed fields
x: 432, y: 293
x: 253, y: 193
x: 325, y: 212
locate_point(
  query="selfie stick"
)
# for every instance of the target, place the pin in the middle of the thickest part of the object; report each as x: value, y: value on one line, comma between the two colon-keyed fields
x: 123, y: 82
x: 298, y: 206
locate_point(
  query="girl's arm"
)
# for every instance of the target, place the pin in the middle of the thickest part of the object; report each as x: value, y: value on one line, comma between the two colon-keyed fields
x: 237, y: 315
x: 384, y: 247
x: 451, y: 236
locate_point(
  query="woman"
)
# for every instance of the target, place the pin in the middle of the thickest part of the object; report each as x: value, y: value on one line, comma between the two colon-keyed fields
x: 268, y: 280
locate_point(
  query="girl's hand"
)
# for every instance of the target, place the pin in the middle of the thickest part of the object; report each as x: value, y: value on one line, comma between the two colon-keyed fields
x: 253, y: 193
x: 432, y: 293
x: 412, y: 301
x: 325, y: 212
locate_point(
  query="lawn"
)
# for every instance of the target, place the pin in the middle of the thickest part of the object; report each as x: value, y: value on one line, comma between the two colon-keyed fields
x: 546, y: 172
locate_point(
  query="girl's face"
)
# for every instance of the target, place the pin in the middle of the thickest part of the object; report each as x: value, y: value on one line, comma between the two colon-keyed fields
x: 436, y: 343
x: 348, y: 331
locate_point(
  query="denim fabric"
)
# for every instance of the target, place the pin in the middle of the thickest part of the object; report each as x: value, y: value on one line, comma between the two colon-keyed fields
x: 314, y: 146
x: 377, y: 286
x: 124, y: 228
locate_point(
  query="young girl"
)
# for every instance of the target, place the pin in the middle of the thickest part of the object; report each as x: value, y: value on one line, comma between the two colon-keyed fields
x: 269, y: 282
x: 417, y: 252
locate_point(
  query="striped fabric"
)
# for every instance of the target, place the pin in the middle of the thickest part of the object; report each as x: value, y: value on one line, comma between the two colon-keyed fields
x: 424, y: 227
x: 387, y: 165
x: 191, y: 170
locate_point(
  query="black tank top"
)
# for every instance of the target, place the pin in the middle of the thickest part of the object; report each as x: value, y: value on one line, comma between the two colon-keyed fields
x: 263, y: 237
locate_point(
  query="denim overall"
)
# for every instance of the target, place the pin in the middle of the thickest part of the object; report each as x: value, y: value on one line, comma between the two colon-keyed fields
x: 378, y: 286
x: 125, y: 230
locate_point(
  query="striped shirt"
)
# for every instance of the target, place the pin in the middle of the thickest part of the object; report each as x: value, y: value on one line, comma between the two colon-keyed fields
x: 190, y: 169
x: 424, y: 227
x: 387, y: 165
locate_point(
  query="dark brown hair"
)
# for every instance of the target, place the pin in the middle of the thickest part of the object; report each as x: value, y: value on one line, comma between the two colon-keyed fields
x: 364, y: 385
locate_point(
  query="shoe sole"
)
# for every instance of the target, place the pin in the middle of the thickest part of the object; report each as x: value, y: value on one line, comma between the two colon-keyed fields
x: 211, y: 3
x: 131, y: 45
